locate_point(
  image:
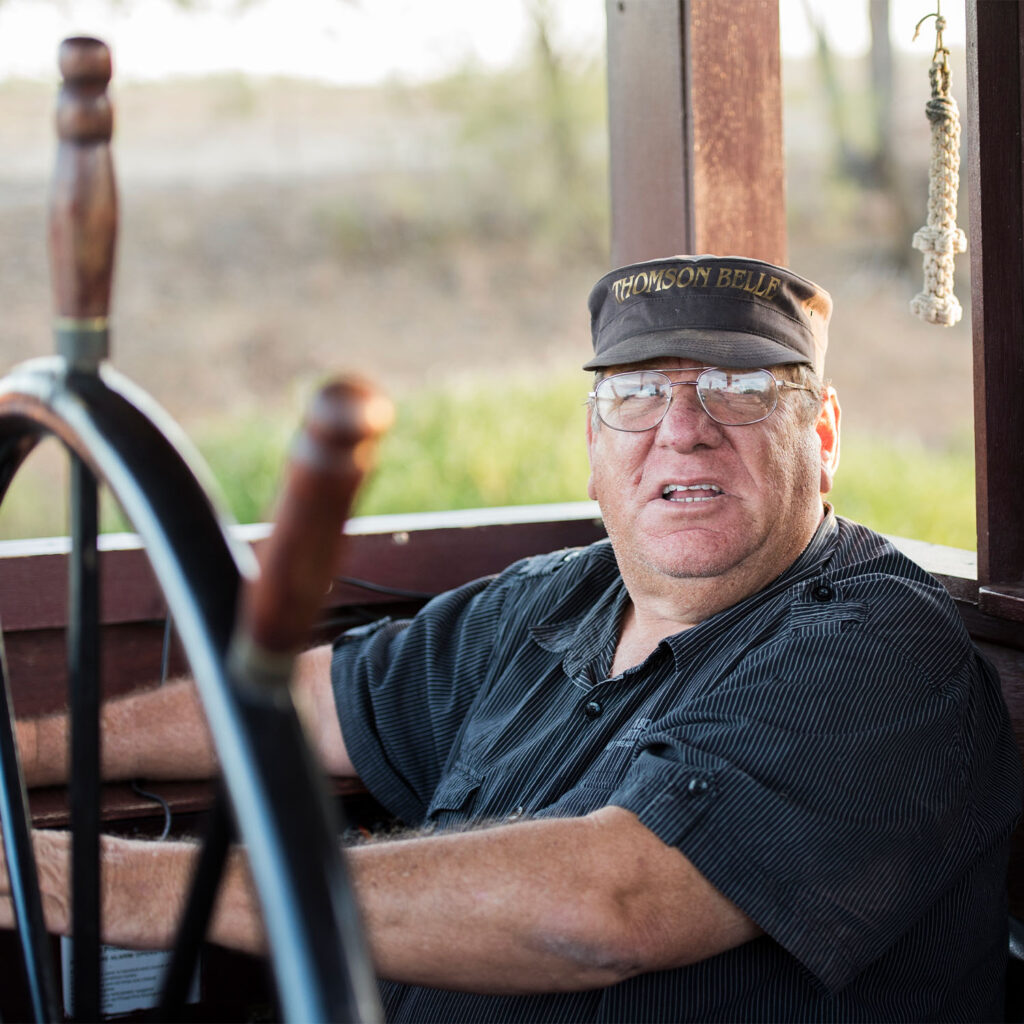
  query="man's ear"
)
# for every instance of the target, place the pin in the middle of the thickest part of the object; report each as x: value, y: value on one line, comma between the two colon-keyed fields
x: 591, y: 491
x: 827, y: 428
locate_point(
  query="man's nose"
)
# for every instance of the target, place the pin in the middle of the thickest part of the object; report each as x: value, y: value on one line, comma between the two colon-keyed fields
x: 686, y: 424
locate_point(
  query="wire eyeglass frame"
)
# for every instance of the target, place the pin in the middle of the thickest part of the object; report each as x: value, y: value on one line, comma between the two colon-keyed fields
x: 702, y: 375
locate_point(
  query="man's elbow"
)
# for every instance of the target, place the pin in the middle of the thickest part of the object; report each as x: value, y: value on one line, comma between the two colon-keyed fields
x: 581, y: 962
x: 607, y: 939
x: 595, y: 945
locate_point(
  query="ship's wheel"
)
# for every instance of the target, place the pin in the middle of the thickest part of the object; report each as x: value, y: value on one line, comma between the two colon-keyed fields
x: 239, y: 623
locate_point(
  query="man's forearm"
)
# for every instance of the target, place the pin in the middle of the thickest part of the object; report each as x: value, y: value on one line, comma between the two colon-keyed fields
x: 549, y: 905
x: 161, y: 732
x: 144, y: 886
x: 156, y: 733
x: 542, y: 906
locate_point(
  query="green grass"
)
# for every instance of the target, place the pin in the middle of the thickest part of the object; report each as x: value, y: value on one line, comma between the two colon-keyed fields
x: 479, y: 444
x: 907, y: 489
x: 498, y: 440
x: 487, y: 442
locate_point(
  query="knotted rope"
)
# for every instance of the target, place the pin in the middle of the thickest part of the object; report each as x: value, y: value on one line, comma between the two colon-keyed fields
x: 940, y: 238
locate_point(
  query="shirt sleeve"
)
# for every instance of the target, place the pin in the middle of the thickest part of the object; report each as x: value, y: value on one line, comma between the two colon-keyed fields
x: 402, y: 690
x: 832, y: 806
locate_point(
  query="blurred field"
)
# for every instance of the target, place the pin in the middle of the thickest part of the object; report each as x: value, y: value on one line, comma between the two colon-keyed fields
x: 443, y: 240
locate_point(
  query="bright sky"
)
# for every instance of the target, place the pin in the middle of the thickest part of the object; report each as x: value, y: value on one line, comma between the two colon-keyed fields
x: 366, y: 40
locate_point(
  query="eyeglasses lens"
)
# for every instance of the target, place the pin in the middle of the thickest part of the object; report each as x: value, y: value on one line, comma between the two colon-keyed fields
x: 639, y: 400
x: 736, y: 399
x: 633, y: 401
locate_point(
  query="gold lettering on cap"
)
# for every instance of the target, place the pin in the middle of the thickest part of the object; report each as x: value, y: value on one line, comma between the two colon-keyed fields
x: 772, y: 288
x: 646, y: 282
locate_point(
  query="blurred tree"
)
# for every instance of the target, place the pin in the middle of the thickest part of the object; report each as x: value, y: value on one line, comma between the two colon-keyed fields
x: 868, y: 162
x: 562, y: 138
x: 864, y: 163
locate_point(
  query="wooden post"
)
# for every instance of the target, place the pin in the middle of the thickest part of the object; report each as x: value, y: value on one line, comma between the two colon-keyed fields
x: 695, y: 126
x: 995, y: 154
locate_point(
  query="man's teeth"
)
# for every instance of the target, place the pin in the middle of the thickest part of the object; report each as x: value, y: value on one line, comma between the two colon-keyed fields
x: 691, y: 492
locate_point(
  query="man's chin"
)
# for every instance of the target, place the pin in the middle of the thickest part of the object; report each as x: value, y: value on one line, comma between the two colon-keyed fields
x: 695, y: 551
x: 692, y: 571
x: 692, y: 561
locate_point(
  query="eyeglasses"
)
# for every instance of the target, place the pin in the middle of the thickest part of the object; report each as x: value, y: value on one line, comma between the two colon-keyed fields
x: 639, y: 399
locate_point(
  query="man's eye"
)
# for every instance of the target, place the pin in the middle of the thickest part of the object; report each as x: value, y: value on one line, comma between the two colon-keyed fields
x: 743, y: 386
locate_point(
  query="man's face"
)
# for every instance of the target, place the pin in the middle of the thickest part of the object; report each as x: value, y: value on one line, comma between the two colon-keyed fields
x: 754, y: 491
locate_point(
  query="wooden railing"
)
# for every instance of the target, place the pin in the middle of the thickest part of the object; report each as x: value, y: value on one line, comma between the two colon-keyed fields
x: 392, y: 565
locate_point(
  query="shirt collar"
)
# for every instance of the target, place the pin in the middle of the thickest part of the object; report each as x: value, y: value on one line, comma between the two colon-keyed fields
x: 582, y: 636
x: 811, y: 562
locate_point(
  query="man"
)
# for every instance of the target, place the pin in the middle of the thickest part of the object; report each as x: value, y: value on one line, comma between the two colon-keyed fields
x: 741, y: 762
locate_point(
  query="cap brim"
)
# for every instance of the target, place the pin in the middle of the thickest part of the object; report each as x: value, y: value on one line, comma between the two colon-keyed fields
x: 715, y: 348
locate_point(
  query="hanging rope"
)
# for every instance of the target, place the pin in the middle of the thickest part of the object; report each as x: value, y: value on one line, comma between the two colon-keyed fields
x: 940, y: 238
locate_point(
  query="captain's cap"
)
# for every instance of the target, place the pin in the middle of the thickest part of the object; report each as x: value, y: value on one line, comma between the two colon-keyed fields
x: 721, y: 310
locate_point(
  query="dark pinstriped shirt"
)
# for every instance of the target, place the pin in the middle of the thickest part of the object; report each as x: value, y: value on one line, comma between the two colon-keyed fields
x: 832, y: 753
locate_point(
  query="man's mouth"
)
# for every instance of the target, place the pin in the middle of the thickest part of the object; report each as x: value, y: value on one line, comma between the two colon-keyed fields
x: 690, y: 492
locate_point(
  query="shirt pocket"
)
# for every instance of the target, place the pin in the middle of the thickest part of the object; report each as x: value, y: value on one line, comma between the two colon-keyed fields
x: 593, y: 789
x: 455, y: 794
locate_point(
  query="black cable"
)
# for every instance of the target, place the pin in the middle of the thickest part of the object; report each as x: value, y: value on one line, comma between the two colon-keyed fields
x: 162, y: 802
x: 380, y: 588
x: 165, y: 659
x: 165, y: 654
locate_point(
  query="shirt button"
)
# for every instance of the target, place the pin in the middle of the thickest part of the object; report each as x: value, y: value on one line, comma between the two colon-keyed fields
x: 823, y: 592
x: 592, y: 709
x: 517, y: 813
x: 696, y: 786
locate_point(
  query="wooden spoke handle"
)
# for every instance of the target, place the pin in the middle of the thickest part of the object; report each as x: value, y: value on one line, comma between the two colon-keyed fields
x: 83, y: 202
x: 329, y: 460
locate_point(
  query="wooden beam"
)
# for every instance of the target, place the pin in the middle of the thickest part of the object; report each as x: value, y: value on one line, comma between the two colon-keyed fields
x: 995, y: 121
x: 696, y: 134
x: 389, y: 560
